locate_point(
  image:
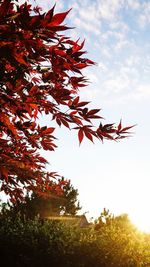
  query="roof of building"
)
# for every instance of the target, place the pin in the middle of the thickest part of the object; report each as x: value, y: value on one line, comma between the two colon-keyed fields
x: 79, y: 220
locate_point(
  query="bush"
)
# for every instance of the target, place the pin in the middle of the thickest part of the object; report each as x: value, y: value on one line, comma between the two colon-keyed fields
x: 44, y: 243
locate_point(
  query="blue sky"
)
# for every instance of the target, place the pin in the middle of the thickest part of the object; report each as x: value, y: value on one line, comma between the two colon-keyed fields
x: 111, y: 175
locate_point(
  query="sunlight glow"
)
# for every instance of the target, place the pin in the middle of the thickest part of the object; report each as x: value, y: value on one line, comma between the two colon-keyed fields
x: 141, y: 221
x: 121, y: 195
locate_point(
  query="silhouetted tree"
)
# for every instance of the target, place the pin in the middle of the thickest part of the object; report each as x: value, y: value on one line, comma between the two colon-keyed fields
x: 50, y: 203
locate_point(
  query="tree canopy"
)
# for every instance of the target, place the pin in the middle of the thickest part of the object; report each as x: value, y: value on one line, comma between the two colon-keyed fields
x: 51, y: 204
x: 41, y: 73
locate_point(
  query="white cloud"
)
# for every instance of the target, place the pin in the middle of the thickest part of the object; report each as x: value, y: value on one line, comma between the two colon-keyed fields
x: 84, y: 16
x: 132, y: 61
x: 117, y: 84
x: 134, y: 4
x: 121, y: 44
x: 108, y: 9
x: 89, y: 15
x: 86, y: 26
x: 142, y: 20
x: 106, y: 52
x: 144, y: 17
x: 117, y: 25
x: 102, y: 66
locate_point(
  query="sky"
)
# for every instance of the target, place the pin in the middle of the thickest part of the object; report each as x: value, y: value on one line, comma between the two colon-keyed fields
x: 111, y: 175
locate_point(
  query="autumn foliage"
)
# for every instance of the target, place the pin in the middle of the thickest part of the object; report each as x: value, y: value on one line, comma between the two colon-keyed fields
x: 40, y: 73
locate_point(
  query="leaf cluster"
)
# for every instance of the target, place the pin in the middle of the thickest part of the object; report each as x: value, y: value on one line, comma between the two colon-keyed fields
x: 41, y: 73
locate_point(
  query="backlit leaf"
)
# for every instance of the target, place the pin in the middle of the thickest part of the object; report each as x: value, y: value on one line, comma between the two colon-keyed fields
x: 80, y: 135
x: 58, y: 18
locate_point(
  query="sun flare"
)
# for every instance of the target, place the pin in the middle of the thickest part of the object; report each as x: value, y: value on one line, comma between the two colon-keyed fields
x: 142, y: 222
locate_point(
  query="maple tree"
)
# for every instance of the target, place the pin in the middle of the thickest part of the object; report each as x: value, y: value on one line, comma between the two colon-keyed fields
x: 41, y: 73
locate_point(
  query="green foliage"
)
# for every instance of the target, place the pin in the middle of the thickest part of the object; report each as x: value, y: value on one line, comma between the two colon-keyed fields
x: 51, y: 203
x: 38, y: 242
x: 123, y: 244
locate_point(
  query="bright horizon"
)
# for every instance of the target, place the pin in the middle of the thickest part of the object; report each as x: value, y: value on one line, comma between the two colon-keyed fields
x: 111, y: 175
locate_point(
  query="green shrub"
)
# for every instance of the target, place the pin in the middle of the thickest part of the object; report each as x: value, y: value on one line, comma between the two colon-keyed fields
x: 43, y: 243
